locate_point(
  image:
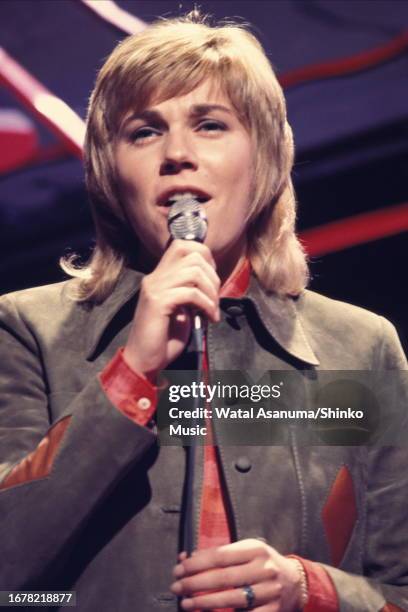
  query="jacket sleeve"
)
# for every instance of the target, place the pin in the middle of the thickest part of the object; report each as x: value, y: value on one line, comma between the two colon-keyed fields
x: 384, y: 585
x: 65, y: 469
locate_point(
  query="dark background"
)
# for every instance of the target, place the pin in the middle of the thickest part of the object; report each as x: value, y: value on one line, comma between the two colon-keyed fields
x: 350, y: 129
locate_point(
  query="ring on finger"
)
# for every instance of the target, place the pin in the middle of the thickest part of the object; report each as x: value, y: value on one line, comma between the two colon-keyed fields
x: 250, y: 597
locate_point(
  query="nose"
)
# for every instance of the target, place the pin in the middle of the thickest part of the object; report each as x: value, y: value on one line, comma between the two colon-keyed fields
x: 178, y: 154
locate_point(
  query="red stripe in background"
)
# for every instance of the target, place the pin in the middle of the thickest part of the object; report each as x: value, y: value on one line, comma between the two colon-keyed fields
x: 346, y: 65
x: 356, y: 230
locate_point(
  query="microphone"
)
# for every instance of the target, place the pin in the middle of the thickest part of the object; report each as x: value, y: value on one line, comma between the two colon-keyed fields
x: 187, y: 220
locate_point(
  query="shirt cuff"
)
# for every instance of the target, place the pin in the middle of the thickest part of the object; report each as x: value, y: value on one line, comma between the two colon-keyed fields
x: 322, y: 596
x: 129, y: 391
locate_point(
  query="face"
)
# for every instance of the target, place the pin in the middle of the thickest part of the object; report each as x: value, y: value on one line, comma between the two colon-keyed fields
x: 192, y: 143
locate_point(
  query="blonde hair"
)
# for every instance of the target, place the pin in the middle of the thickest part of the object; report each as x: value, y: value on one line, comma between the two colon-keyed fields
x: 170, y: 58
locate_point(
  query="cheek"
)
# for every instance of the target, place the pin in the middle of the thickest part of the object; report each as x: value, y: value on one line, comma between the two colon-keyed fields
x: 240, y: 164
x: 240, y: 183
x: 132, y: 173
x: 135, y: 198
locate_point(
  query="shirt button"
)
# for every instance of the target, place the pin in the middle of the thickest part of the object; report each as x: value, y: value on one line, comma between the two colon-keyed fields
x: 144, y: 403
x: 234, y: 310
x: 243, y: 464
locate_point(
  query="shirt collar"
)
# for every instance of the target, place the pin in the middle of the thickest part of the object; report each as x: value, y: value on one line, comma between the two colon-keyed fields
x: 237, y: 283
x: 278, y: 313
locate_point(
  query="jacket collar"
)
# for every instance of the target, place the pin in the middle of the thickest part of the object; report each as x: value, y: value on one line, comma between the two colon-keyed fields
x: 102, y: 314
x: 278, y: 314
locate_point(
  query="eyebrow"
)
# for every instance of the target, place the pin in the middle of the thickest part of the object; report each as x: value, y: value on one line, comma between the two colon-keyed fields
x: 197, y: 110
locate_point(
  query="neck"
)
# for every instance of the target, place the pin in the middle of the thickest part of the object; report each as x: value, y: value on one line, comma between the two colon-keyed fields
x: 228, y: 263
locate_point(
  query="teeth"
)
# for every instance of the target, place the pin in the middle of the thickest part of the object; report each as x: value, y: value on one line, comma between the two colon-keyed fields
x: 181, y: 195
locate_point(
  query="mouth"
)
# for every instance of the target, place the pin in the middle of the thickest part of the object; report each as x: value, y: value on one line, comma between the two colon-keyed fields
x: 170, y: 197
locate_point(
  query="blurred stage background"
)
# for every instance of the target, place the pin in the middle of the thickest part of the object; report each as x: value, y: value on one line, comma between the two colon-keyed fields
x: 344, y: 68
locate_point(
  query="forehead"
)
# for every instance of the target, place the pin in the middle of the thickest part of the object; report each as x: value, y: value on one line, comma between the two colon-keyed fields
x: 206, y: 97
x: 206, y: 92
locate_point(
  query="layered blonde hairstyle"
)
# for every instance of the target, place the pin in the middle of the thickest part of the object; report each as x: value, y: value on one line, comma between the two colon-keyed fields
x: 169, y: 58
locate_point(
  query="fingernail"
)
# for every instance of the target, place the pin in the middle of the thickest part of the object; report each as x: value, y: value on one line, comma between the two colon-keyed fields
x: 178, y: 571
x: 175, y: 588
x: 186, y: 604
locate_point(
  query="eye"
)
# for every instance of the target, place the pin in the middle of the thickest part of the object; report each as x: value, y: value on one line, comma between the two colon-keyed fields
x: 210, y: 125
x: 142, y: 134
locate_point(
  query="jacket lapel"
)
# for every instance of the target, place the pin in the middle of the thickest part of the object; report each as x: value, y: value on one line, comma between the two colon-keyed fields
x: 102, y: 314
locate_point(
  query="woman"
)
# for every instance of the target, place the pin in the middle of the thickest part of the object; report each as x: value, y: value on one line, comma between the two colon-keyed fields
x: 89, y: 501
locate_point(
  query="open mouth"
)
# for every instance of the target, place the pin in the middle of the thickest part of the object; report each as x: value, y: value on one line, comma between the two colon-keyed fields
x: 168, y: 200
x: 199, y: 199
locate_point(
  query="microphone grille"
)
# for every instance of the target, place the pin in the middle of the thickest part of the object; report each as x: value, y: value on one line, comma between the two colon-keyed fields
x: 187, y: 220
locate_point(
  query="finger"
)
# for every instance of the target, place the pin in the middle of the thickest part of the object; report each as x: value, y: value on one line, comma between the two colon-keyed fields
x: 182, y: 248
x: 182, y: 316
x: 190, y: 296
x: 179, y: 328
x: 221, y: 578
x: 196, y: 259
x: 187, y: 270
x: 194, y: 276
x: 237, y: 553
x: 265, y: 594
x: 190, y: 271
x: 183, y: 555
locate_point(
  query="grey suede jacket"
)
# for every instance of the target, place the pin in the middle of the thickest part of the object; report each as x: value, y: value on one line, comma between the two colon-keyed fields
x: 104, y: 517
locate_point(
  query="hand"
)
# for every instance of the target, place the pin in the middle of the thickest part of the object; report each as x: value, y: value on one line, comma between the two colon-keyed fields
x: 184, y: 278
x: 275, y: 579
